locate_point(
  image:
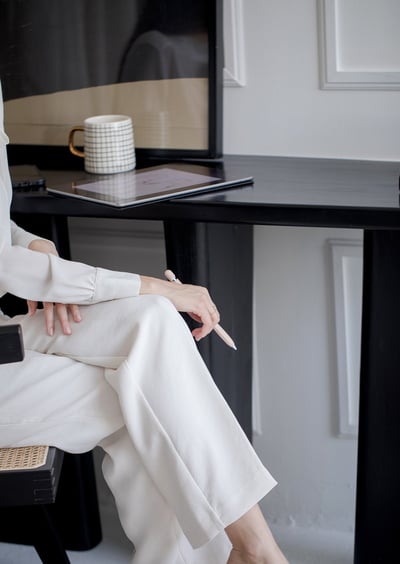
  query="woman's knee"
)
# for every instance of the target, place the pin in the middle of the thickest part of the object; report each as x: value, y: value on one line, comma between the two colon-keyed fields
x: 159, y: 307
x: 155, y: 308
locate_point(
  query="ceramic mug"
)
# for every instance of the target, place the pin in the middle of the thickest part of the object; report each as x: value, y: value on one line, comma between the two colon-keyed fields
x: 108, y: 144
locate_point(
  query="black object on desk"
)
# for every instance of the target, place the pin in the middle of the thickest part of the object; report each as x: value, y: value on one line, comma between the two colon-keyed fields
x: 26, y: 178
x: 209, y: 240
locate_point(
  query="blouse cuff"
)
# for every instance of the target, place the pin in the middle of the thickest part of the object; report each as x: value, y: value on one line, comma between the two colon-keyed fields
x: 111, y: 285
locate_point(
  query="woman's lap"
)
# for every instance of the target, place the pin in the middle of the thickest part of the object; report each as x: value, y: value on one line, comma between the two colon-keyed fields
x: 59, y: 391
x: 105, y: 335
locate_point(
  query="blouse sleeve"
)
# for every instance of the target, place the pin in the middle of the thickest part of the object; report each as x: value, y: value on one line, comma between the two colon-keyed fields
x: 43, y: 277
x: 21, y: 237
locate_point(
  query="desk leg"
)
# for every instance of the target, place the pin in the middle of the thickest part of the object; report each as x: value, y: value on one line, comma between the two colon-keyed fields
x: 220, y: 257
x: 378, y: 484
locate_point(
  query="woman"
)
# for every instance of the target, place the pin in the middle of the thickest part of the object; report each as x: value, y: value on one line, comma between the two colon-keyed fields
x: 110, y: 362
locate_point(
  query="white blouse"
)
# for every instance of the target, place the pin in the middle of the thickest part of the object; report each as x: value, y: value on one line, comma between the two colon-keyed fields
x: 43, y: 277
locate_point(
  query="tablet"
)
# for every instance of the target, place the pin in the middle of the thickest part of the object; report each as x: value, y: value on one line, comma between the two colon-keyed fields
x: 162, y: 182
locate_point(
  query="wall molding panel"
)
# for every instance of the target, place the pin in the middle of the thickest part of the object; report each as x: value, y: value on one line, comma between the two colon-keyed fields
x: 234, y: 70
x: 344, y: 48
x: 347, y: 282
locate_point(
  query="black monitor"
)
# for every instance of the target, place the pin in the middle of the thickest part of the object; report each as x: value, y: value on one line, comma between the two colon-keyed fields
x: 159, y: 61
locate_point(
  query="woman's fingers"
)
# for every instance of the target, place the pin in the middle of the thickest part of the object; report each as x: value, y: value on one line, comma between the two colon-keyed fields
x: 48, y: 309
x: 62, y: 312
x: 63, y: 318
x: 32, y: 307
x: 75, y: 312
x: 205, y: 313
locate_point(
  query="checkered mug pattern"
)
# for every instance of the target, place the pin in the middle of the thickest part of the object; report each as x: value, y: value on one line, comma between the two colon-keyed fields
x: 108, y: 144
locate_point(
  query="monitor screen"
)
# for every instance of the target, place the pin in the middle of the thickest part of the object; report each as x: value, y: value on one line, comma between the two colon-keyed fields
x: 159, y: 61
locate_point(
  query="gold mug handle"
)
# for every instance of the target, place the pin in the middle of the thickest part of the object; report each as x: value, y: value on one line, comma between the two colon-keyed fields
x: 71, y: 145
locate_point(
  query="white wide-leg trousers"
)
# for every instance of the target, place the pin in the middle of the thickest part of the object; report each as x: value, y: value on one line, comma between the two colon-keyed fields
x: 130, y: 379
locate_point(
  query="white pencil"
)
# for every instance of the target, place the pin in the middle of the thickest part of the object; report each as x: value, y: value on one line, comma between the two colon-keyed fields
x: 169, y: 275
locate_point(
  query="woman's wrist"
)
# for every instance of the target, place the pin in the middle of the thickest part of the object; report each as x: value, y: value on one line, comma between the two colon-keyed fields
x: 151, y: 285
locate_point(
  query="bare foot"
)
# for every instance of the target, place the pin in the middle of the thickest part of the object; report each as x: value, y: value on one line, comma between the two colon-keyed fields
x: 238, y: 557
x: 252, y: 540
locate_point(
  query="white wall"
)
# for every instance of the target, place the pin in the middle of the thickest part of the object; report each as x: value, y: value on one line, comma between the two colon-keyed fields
x: 282, y: 111
x: 296, y: 362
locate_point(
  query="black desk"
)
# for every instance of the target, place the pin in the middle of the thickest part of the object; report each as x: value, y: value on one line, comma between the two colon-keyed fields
x: 209, y: 240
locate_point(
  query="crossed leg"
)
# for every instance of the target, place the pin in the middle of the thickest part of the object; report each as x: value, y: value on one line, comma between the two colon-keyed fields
x: 130, y: 378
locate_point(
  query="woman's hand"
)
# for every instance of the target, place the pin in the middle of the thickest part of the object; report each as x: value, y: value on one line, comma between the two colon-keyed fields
x: 194, y: 300
x: 52, y: 311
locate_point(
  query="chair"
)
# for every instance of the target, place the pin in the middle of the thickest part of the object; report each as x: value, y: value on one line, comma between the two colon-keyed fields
x: 29, y: 477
